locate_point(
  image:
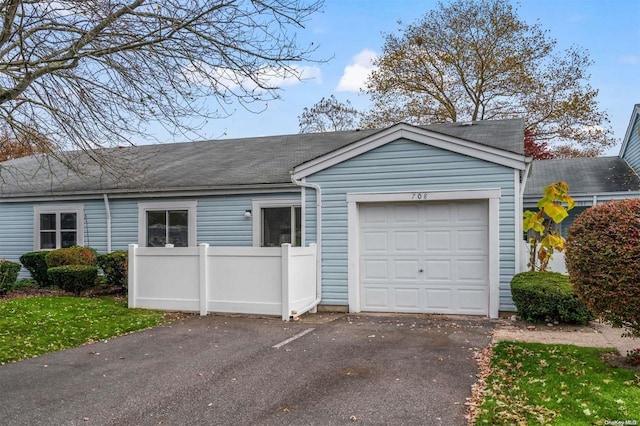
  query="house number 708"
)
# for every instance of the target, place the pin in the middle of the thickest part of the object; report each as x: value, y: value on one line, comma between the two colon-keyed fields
x: 419, y: 196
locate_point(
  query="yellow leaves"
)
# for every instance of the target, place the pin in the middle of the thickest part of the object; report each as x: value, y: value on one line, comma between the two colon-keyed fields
x: 556, y: 212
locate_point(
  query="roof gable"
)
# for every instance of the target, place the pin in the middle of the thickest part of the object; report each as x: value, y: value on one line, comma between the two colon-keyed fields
x: 454, y: 137
x: 634, y: 123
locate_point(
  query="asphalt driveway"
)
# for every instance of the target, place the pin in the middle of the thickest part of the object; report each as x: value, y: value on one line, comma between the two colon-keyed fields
x: 341, y: 369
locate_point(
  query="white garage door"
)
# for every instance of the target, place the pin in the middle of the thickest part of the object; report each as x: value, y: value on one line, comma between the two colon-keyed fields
x: 425, y: 257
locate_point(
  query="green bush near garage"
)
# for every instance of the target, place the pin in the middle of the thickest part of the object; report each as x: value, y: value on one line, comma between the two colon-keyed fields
x: 548, y: 296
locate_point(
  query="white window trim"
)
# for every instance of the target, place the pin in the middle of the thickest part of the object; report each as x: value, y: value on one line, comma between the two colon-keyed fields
x: 256, y: 209
x: 78, y: 209
x: 190, y: 206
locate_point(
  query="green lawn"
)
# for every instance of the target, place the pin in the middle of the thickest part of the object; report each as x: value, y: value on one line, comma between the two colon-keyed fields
x: 38, y: 325
x: 533, y: 383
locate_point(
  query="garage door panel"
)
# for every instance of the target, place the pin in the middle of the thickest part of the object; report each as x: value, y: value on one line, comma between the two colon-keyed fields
x: 424, y: 257
x: 407, y: 298
x: 376, y: 298
x: 439, y: 299
x: 437, y: 213
x: 373, y: 215
x: 438, y: 270
x: 405, y: 269
x: 405, y: 214
x: 406, y: 241
x: 472, y: 271
x: 471, y: 241
x: 438, y: 241
x: 376, y: 270
x: 375, y: 242
x: 473, y: 300
x: 472, y: 213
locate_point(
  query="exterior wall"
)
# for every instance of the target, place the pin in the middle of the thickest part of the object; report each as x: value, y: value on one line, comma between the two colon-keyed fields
x: 406, y: 166
x: 632, y: 151
x: 220, y: 222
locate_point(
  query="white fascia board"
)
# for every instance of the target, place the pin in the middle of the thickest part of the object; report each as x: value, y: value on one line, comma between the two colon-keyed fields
x: 416, y: 134
x: 627, y: 136
x: 120, y: 194
x: 531, y: 201
x: 382, y: 197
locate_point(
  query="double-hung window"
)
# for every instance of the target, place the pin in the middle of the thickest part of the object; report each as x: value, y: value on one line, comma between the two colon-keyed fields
x: 165, y: 223
x: 58, y: 226
x: 277, y: 222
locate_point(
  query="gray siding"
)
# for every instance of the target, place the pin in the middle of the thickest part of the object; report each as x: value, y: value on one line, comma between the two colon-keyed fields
x: 16, y: 231
x: 632, y: 152
x: 221, y: 222
x: 404, y: 166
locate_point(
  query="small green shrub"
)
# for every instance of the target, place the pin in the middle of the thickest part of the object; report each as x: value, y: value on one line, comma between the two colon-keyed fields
x: 71, y: 256
x: 547, y: 296
x: 35, y: 263
x: 8, y: 274
x: 73, y: 278
x: 114, y: 266
x: 603, y: 260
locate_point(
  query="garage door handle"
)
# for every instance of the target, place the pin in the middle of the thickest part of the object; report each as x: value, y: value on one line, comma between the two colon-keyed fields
x: 420, y: 270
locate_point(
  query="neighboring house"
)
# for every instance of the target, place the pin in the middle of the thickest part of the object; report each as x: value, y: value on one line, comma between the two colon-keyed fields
x: 406, y: 219
x: 591, y: 181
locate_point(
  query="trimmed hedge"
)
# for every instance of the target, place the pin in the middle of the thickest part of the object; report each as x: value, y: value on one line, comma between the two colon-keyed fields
x: 35, y: 263
x: 8, y: 274
x: 71, y: 256
x: 547, y: 296
x: 603, y: 260
x: 114, y: 266
x: 73, y: 278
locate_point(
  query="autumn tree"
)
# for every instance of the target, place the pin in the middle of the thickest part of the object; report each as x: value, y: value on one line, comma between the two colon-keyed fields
x: 31, y: 143
x: 328, y: 115
x: 473, y: 60
x: 538, y: 150
x: 87, y: 74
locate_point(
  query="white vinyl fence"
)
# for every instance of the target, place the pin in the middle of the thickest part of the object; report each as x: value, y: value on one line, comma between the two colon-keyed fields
x: 556, y: 264
x: 249, y: 280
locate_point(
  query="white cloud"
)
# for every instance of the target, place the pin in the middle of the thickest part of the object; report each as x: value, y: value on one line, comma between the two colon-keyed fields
x: 630, y: 59
x: 355, y: 75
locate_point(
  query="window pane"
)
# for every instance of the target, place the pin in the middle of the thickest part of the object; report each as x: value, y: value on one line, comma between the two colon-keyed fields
x: 68, y: 221
x: 48, y: 222
x: 298, y: 239
x: 47, y: 240
x: 69, y: 239
x: 276, y: 226
x: 179, y: 228
x: 156, y: 228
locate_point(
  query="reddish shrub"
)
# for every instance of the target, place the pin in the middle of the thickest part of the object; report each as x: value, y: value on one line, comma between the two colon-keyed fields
x: 603, y: 260
x: 71, y: 256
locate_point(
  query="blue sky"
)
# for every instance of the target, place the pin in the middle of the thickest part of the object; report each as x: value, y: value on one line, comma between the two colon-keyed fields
x: 350, y: 32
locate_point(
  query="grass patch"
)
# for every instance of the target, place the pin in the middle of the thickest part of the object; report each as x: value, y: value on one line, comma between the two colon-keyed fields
x: 38, y: 325
x: 534, y: 383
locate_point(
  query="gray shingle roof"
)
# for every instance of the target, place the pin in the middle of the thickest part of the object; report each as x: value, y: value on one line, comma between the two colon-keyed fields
x: 583, y: 175
x: 231, y: 163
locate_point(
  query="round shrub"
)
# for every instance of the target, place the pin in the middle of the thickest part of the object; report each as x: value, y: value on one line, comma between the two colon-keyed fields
x: 8, y: 274
x: 71, y: 256
x: 114, y: 266
x: 547, y: 296
x: 603, y: 260
x: 35, y: 263
x: 73, y: 278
